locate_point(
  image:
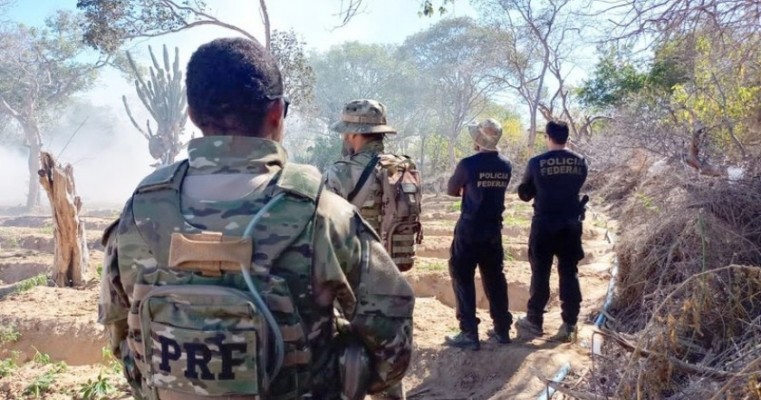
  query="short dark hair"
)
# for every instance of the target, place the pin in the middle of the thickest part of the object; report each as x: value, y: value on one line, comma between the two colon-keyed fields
x: 232, y: 80
x: 557, y: 131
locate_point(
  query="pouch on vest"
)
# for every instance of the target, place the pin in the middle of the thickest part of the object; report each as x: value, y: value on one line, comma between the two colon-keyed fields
x: 207, y: 322
x: 206, y: 339
x: 401, y: 229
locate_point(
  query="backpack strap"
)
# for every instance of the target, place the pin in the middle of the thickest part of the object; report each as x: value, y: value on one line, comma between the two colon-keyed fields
x: 363, y: 178
x: 281, y: 226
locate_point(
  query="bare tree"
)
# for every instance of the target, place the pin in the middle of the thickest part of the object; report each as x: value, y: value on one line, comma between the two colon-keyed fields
x: 534, y: 50
x: 266, y: 21
x: 580, y: 122
x: 673, y: 18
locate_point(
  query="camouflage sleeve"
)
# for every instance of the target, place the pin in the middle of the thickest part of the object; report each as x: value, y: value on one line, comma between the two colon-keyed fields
x: 353, y: 268
x: 335, y: 179
x: 113, y: 303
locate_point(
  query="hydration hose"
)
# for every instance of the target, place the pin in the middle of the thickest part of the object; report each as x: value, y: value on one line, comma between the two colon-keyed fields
x: 274, y: 327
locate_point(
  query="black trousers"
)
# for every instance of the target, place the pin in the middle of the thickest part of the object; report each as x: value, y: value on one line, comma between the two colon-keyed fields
x: 467, y: 252
x: 561, y: 239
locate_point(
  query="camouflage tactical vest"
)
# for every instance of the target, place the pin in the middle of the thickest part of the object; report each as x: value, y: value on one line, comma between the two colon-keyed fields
x: 372, y: 206
x: 389, y: 195
x: 194, y: 327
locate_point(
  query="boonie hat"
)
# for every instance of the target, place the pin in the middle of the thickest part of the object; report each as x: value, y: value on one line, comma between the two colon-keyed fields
x: 486, y: 134
x: 363, y: 116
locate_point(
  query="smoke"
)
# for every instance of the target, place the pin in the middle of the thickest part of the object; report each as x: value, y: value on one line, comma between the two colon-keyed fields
x: 12, y: 189
x: 108, y: 154
x: 110, y: 157
x: 109, y: 161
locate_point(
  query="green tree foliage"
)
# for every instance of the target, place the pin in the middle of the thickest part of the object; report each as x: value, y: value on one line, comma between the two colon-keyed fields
x: 456, y: 60
x: 40, y: 69
x: 616, y: 75
x: 612, y: 81
x: 428, y: 8
x: 696, y: 99
x: 109, y: 24
x: 298, y: 75
x: 723, y: 98
x: 354, y: 70
x: 433, y: 85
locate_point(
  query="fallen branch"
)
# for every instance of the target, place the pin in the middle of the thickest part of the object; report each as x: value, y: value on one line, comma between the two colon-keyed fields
x: 684, y: 366
x: 571, y: 392
x: 732, y: 381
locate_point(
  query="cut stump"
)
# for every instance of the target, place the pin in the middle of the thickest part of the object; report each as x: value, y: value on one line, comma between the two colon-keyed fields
x: 70, y: 255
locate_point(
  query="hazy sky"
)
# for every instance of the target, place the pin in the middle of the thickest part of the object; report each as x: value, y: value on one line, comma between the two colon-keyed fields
x: 380, y: 21
x: 106, y: 172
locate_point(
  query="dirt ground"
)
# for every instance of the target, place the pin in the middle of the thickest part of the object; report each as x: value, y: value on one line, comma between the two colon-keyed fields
x: 51, y: 346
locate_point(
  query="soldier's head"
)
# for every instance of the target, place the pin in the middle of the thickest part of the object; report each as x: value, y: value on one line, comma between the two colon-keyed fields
x: 557, y: 134
x: 362, y: 121
x: 234, y: 88
x: 485, y: 134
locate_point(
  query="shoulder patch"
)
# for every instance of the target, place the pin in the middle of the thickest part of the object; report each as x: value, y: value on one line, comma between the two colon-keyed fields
x: 163, y: 177
x: 302, y: 180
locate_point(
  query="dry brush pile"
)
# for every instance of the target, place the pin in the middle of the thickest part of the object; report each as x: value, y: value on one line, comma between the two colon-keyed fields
x: 686, y: 319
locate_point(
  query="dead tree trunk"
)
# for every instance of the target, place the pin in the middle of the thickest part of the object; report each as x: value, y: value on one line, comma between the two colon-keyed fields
x: 34, y: 141
x: 693, y: 155
x: 70, y: 262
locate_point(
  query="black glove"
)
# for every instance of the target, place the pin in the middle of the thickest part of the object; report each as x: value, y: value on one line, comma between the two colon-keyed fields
x: 526, y: 191
x: 583, y: 207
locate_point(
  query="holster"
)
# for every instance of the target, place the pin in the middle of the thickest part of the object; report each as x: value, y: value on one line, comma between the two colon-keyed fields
x: 354, y: 367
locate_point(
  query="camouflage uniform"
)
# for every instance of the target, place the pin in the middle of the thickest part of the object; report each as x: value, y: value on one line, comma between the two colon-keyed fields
x: 341, y: 178
x: 328, y: 257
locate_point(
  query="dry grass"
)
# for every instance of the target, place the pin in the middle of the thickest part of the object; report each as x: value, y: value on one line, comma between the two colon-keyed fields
x: 688, y: 307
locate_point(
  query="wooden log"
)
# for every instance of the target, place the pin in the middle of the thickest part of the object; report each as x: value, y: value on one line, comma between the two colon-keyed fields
x: 70, y: 255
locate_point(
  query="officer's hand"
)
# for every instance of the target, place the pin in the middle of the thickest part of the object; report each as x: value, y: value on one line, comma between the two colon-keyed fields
x: 526, y: 191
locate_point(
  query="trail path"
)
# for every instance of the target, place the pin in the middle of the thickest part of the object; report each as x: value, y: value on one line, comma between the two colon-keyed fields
x: 497, y: 371
x: 62, y: 322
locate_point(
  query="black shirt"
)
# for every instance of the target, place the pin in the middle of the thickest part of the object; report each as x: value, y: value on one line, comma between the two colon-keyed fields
x: 482, y: 180
x: 553, y: 180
